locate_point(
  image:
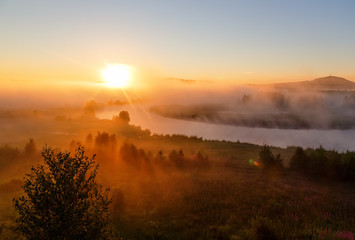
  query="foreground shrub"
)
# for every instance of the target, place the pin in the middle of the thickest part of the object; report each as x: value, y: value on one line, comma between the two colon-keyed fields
x: 62, y: 199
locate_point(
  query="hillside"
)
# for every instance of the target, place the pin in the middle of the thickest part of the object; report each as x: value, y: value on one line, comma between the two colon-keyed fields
x: 324, y: 83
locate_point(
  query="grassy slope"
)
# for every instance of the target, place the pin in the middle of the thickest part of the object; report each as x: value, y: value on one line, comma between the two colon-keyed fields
x: 233, y: 199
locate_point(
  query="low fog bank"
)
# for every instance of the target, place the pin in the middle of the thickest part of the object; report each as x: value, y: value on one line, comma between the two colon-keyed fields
x: 267, y: 108
x: 256, y: 114
x: 32, y: 95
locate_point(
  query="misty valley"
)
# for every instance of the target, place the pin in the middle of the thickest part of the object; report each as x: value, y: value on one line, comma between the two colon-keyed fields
x: 327, y: 106
x: 177, y: 120
x: 189, y: 169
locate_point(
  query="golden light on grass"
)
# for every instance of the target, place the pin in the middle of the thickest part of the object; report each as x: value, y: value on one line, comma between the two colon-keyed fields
x: 117, y: 75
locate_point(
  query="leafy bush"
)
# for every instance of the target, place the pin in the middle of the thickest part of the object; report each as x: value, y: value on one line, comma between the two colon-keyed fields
x: 62, y: 199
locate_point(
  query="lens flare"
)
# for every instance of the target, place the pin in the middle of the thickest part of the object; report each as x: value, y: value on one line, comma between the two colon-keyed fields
x: 255, y: 163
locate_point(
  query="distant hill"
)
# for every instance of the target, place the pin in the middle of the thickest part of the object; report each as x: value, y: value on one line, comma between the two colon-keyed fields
x: 333, y: 82
x: 329, y: 83
x: 324, y: 83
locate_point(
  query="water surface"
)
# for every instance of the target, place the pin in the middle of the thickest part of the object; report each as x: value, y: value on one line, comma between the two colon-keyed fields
x: 340, y: 140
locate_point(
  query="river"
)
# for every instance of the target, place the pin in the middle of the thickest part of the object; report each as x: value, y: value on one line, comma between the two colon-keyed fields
x: 340, y: 140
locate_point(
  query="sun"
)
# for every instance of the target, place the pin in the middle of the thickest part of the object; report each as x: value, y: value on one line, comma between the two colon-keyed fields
x: 117, y: 75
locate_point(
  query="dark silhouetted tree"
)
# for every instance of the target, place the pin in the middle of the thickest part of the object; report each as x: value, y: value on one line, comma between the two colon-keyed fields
x: 89, y: 141
x: 123, y: 117
x: 62, y: 199
x: 299, y: 161
x: 30, y: 148
x: 202, y: 161
x: 177, y: 158
x: 268, y: 159
x: 317, y: 162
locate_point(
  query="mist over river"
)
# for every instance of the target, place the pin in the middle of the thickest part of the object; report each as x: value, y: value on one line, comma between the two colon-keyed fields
x: 340, y: 140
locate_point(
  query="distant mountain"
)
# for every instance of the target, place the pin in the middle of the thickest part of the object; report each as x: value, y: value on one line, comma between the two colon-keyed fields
x: 324, y: 83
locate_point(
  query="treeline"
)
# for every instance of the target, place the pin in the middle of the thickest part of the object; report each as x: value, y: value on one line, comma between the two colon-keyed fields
x: 10, y: 155
x: 105, y: 146
x: 175, y: 159
x: 178, y: 137
x: 320, y: 163
x: 315, y: 163
x: 13, y: 156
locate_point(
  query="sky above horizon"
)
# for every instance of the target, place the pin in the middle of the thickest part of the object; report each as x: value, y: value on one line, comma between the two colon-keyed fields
x: 242, y: 41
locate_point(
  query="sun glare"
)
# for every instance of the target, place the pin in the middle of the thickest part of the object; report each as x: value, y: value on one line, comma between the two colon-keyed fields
x: 117, y: 75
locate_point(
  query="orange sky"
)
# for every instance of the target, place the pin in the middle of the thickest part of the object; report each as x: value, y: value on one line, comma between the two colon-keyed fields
x: 233, y: 41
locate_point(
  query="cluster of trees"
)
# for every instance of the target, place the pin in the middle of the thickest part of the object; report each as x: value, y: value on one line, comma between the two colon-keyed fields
x: 278, y: 99
x: 178, y: 159
x: 122, y: 117
x: 315, y: 163
x: 137, y: 157
x: 10, y: 155
x: 105, y: 146
x: 132, y: 155
x: 104, y: 140
x: 320, y: 163
x: 22, y: 158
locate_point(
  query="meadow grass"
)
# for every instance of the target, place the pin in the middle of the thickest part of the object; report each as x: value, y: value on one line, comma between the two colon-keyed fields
x: 231, y: 198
